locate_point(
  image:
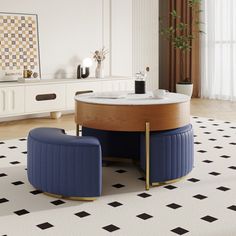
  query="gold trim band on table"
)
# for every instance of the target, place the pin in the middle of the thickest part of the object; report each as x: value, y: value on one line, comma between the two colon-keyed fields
x: 86, y: 199
x: 147, y: 140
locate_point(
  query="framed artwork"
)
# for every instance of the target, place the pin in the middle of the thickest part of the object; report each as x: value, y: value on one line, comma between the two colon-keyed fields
x: 19, y: 43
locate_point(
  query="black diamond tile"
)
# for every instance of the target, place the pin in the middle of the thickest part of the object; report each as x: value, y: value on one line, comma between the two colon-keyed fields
x: 202, y: 127
x: 233, y: 144
x: 179, y: 231
x: 45, y: 225
x: 207, y: 161
x: 173, y: 206
x: 3, y: 175
x: 2, y: 143
x: 195, y: 117
x: 3, y: 200
x: 207, y: 132
x: 209, y: 219
x: 194, y: 135
x: 227, y: 122
x: 210, y: 119
x: 222, y: 188
x: 221, y: 130
x: 226, y: 136
x: 202, y: 151
x: 232, y: 127
x: 17, y: 183
x: 82, y: 214
x: 118, y: 185
x: 58, y: 202
x: 214, y: 173
x: 36, y: 192
x: 199, y: 122
x: 115, y: 204
x: 1, y: 157
x: 233, y: 208
x: 111, y: 228
x: 225, y: 156
x: 21, y: 212
x: 218, y: 147
x: 197, y: 143
x: 12, y: 147
x: 170, y: 187
x: 22, y: 139
x: 144, y: 195
x: 144, y: 216
x: 212, y: 139
x: 15, y: 162
x: 193, y: 180
x: 200, y: 196
x: 142, y: 178
x: 232, y: 167
x: 24, y: 152
x: 121, y: 171
x: 215, y: 124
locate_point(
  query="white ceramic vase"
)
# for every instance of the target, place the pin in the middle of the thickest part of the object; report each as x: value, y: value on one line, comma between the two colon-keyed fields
x: 186, y: 89
x: 99, y: 72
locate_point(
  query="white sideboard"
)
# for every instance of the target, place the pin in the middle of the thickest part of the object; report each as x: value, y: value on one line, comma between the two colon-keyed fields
x: 52, y: 96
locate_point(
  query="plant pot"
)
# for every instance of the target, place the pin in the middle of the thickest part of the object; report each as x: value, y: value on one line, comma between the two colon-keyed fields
x: 186, y: 89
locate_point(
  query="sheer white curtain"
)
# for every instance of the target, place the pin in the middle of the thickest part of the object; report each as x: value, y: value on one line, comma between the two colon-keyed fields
x: 219, y: 50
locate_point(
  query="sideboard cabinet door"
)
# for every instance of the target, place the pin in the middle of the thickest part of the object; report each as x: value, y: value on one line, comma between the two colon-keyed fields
x: 45, y: 98
x: 11, y: 101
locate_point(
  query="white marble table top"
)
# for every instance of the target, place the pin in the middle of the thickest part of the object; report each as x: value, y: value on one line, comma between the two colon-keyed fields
x: 128, y: 98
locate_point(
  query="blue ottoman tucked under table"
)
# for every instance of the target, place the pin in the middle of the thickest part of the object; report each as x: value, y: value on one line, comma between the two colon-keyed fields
x: 171, y: 154
x: 171, y: 151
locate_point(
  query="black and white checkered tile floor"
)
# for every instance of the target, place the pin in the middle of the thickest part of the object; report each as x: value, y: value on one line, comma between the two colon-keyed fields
x: 203, y: 204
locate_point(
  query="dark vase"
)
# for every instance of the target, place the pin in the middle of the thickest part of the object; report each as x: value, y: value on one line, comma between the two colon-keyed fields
x: 139, y: 86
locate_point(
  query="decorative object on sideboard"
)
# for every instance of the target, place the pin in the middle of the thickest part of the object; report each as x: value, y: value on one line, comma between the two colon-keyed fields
x: 83, y: 71
x: 9, y: 76
x: 99, y: 57
x: 19, y: 44
x: 181, y: 35
x: 139, y: 83
x: 27, y: 73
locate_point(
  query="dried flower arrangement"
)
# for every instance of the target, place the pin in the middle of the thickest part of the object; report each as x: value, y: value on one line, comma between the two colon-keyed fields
x: 100, y: 56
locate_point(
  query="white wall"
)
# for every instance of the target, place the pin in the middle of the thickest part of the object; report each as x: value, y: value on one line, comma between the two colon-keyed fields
x: 146, y: 39
x: 69, y: 31
x: 121, y: 37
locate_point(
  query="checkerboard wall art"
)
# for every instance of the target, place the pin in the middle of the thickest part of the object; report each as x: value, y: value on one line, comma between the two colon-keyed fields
x: 19, y: 43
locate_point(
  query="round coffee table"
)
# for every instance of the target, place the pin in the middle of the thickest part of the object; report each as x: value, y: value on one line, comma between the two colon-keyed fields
x: 130, y: 112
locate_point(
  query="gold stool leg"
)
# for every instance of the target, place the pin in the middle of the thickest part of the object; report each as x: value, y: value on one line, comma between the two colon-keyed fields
x: 85, y: 199
x: 77, y: 129
x: 147, y: 137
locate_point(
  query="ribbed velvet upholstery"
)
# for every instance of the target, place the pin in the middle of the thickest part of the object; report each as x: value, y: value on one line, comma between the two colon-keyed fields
x: 116, y: 144
x: 63, y: 164
x: 171, y: 154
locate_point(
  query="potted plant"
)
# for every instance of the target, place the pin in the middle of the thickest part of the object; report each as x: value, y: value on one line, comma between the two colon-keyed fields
x: 181, y: 36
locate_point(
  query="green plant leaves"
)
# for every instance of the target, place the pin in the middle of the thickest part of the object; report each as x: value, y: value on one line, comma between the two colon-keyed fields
x: 179, y: 33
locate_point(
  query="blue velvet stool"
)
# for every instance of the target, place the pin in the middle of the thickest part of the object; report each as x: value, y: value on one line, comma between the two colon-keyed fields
x: 64, y: 165
x: 171, y: 154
